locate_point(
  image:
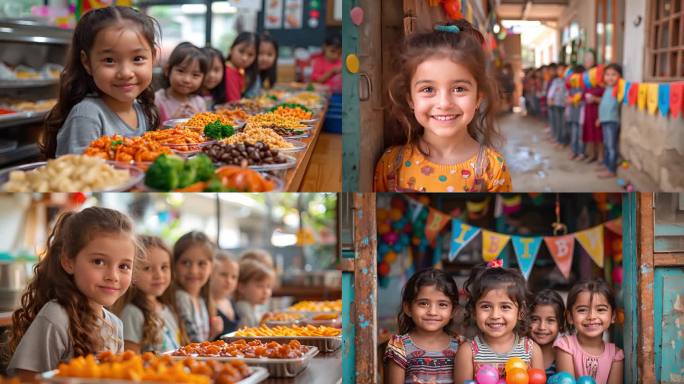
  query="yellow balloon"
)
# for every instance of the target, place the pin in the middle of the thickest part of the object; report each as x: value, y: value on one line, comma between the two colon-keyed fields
x: 515, y: 362
x: 352, y: 63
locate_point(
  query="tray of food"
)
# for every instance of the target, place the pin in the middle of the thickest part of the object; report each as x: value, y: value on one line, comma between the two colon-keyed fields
x: 148, y: 368
x: 71, y: 173
x: 281, y: 360
x: 137, y: 151
x: 329, y: 319
x: 271, y: 119
x: 266, y: 136
x: 326, y: 339
x: 274, y: 319
x: 258, y: 155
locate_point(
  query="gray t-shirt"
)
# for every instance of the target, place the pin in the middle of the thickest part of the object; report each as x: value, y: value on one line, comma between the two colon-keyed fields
x: 46, y: 342
x: 248, y: 314
x: 133, y: 321
x: 196, y: 320
x: 92, y: 118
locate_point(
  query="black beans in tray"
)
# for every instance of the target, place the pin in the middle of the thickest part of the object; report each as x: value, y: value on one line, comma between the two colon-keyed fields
x: 243, y: 154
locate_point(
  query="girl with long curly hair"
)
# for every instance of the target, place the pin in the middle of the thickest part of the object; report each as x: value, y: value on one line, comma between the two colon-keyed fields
x: 445, y: 104
x: 148, y: 309
x: 106, y: 85
x: 87, y: 267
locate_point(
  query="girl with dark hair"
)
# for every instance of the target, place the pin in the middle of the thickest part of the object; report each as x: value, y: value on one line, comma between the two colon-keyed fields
x: 327, y: 68
x: 214, y: 86
x: 444, y: 101
x: 268, y: 65
x: 184, y: 73
x: 497, y: 306
x: 242, y: 67
x: 148, y: 308
x: 590, y: 312
x: 105, y: 88
x: 424, y: 349
x: 547, y: 321
x: 87, y: 267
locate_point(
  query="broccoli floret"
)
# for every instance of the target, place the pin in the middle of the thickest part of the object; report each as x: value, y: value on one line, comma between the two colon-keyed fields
x: 214, y: 185
x: 217, y: 131
x: 204, y: 168
x: 164, y: 173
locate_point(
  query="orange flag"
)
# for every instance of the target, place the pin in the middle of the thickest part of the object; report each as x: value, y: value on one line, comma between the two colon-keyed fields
x: 436, y: 220
x: 561, y: 249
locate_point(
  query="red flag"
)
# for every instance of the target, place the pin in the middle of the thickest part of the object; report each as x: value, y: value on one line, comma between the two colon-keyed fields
x: 633, y: 93
x: 676, y: 98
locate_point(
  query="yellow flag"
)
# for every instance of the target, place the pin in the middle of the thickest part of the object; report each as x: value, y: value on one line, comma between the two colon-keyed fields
x: 492, y: 244
x: 641, y: 98
x: 652, y: 98
x: 621, y: 90
x: 592, y: 241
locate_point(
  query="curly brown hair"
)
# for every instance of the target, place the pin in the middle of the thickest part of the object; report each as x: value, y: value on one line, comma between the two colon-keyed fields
x: 76, y: 83
x: 483, y: 279
x: 71, y: 233
x: 464, y: 47
x: 153, y: 324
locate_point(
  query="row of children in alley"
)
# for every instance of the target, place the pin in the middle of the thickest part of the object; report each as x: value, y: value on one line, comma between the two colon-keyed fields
x: 100, y: 286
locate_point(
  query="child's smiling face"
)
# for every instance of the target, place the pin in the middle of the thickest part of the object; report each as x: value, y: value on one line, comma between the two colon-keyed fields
x: 431, y: 310
x: 444, y: 97
x: 610, y: 77
x: 591, y: 314
x: 496, y: 315
x: 544, y: 324
x: 193, y: 269
x: 120, y: 63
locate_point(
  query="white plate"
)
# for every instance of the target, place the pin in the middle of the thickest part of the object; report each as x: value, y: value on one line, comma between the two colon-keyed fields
x: 309, y: 121
x: 258, y: 375
x: 136, y: 175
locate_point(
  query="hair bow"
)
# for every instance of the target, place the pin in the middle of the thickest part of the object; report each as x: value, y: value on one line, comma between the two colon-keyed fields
x: 447, y: 28
x: 496, y: 263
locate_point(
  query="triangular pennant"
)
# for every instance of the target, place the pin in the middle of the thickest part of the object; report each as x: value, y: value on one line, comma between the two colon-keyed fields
x: 592, y: 241
x: 561, y: 248
x: 652, y: 98
x: 526, y: 249
x: 614, y: 226
x: 642, y: 96
x: 628, y: 86
x: 633, y: 94
x: 621, y: 90
x: 664, y: 99
x: 416, y: 208
x: 492, y: 244
x: 461, y: 235
x: 436, y: 220
x: 676, y: 98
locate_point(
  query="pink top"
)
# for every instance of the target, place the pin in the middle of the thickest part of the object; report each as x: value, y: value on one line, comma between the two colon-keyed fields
x: 235, y: 82
x: 321, y: 66
x: 585, y: 364
x: 169, y: 105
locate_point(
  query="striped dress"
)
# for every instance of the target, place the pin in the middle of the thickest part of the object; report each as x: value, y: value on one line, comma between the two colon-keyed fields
x: 434, y: 367
x: 483, y: 354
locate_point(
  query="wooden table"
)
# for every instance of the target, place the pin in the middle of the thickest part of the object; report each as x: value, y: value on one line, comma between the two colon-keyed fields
x: 294, y: 176
x: 325, y: 368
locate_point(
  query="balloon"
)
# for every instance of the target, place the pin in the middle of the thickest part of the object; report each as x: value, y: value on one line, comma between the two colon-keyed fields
x: 487, y: 374
x: 517, y: 376
x: 383, y: 228
x: 390, y: 238
x: 396, y: 214
x: 515, y: 362
x: 537, y: 376
x: 390, y: 257
x: 586, y: 380
x: 398, y: 202
x: 382, y: 214
x: 415, y: 240
x: 564, y: 378
x: 383, y: 249
x: 397, y: 247
x: 501, y: 381
x: 617, y: 275
x: 383, y: 269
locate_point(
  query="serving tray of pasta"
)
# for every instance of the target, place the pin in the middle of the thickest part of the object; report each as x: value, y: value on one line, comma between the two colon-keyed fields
x: 326, y: 339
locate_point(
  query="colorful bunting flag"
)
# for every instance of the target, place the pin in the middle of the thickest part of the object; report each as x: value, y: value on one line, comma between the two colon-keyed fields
x: 526, y: 249
x: 561, y: 248
x: 436, y: 220
x: 416, y: 207
x: 652, y: 98
x: 676, y: 98
x: 621, y: 90
x: 592, y: 241
x: 628, y: 86
x: 633, y: 94
x: 643, y: 95
x: 461, y: 235
x: 492, y: 244
x: 664, y: 99
x: 614, y: 226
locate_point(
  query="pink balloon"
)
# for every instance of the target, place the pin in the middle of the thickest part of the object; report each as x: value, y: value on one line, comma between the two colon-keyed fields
x: 356, y: 14
x: 618, y: 275
x: 487, y: 374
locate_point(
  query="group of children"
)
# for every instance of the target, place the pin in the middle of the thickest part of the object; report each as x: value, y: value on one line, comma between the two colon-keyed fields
x: 587, y: 119
x: 444, y: 103
x: 540, y: 329
x: 100, y: 287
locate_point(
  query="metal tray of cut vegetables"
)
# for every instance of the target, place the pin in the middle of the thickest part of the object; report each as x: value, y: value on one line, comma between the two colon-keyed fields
x: 326, y: 339
x: 129, y: 367
x: 281, y: 360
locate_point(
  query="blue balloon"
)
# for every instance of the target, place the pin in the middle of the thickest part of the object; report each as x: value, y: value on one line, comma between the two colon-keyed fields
x: 383, y: 248
x: 397, y: 247
x: 586, y: 380
x: 397, y: 225
x: 563, y: 378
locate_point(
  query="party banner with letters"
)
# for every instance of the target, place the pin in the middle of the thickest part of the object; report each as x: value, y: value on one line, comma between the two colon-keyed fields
x: 526, y: 249
x: 436, y: 220
x: 461, y: 235
x: 492, y: 244
x: 561, y: 249
x: 592, y: 241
